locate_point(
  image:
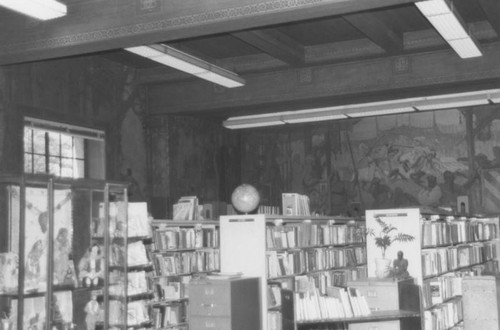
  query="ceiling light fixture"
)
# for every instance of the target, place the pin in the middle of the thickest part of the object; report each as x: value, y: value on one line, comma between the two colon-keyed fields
x: 184, y: 62
x: 494, y: 97
x: 407, y: 105
x: 457, y: 101
x: 379, y: 112
x: 40, y: 9
x: 447, y: 21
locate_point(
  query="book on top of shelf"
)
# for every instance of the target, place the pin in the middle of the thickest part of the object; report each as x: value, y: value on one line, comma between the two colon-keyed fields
x: 138, y: 220
x: 186, y: 208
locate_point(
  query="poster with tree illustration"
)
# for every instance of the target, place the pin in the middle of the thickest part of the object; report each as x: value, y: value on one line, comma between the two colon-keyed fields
x: 393, y: 244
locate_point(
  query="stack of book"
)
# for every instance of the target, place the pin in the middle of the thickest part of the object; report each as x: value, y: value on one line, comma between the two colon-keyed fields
x: 295, y: 204
x: 186, y: 208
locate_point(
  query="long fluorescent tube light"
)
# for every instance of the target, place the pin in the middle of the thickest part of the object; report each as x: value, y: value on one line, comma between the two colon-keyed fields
x: 437, y: 102
x: 307, y: 118
x: 184, y: 62
x: 494, y: 97
x: 450, y: 26
x: 380, y: 112
x: 40, y: 9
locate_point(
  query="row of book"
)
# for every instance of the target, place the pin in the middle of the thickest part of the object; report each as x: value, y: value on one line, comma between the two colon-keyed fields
x: 268, y: 210
x: 295, y: 204
x: 171, y: 288
x: 300, y: 261
x: 138, y: 282
x: 178, y: 263
x: 322, y: 279
x: 444, y: 316
x: 168, y: 316
x: 439, y: 289
x: 441, y: 260
x: 340, y: 303
x: 308, y: 234
x: 274, y: 320
x: 178, y: 237
x: 436, y: 233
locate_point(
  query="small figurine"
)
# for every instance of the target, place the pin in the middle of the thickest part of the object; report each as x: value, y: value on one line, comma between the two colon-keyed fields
x: 91, y: 267
x: 92, y: 309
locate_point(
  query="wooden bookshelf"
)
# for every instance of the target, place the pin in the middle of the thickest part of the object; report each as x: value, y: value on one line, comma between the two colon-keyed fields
x: 248, y: 246
x: 184, y: 244
x: 445, y: 250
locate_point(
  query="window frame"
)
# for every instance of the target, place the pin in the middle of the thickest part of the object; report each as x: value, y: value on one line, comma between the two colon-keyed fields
x: 73, y: 131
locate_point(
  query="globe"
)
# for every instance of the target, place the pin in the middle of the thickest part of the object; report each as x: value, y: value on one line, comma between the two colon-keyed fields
x: 245, y: 198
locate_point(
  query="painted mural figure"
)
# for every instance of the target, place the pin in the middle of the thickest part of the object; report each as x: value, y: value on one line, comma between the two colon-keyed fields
x: 381, y: 194
x: 430, y: 195
x: 338, y: 194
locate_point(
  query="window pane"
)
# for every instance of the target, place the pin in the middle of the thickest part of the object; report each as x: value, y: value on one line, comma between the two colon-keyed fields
x: 39, y: 166
x: 79, y: 171
x: 54, y: 144
x: 28, y: 142
x: 28, y: 163
x: 55, y: 166
x: 79, y: 148
x: 67, y: 167
x: 38, y: 141
x: 66, y: 146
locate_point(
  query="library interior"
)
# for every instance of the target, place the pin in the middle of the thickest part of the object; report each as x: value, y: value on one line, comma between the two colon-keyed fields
x: 249, y: 165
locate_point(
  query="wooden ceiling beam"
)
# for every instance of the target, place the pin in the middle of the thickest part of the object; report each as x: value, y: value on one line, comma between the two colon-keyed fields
x: 94, y: 26
x: 276, y: 44
x: 492, y: 10
x: 377, y: 31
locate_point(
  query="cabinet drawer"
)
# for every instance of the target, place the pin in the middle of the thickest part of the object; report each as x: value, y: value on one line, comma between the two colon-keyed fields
x: 209, y: 300
x: 209, y: 323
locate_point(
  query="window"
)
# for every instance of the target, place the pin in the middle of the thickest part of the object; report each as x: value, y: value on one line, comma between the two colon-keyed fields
x: 63, y: 150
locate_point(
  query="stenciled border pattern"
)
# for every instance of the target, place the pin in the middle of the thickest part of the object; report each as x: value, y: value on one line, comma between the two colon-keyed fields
x: 164, y: 25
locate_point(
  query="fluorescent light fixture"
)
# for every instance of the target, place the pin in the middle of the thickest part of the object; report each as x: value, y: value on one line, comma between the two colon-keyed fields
x: 494, y: 97
x: 237, y: 123
x: 40, y: 9
x: 379, y: 112
x: 440, y: 102
x: 442, y: 15
x: 304, y: 118
x: 184, y: 62
x: 407, y: 105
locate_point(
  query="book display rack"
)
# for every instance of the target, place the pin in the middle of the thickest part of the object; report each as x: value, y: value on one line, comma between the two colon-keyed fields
x: 180, y: 251
x: 63, y: 250
x: 290, y: 253
x: 129, y: 266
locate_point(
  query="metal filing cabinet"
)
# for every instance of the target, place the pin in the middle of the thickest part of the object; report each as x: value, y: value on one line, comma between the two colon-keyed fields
x: 481, y: 304
x: 224, y: 304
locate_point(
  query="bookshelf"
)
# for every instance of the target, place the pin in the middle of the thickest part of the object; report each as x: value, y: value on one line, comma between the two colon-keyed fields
x: 445, y: 250
x: 180, y: 251
x: 287, y: 251
x: 408, y: 314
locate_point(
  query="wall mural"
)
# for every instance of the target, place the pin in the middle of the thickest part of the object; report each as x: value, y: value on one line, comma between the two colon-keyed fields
x: 378, y: 162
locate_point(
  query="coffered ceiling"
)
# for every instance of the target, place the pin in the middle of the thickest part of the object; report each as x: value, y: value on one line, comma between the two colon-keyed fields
x: 245, y: 36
